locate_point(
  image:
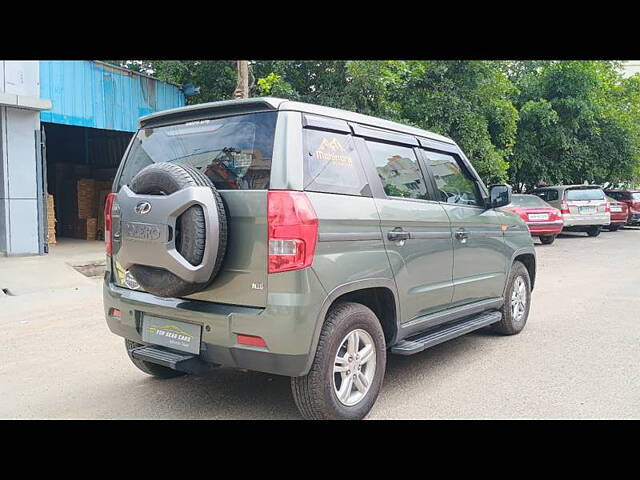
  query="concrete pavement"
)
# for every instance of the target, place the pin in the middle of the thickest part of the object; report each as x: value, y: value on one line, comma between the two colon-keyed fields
x: 577, y: 357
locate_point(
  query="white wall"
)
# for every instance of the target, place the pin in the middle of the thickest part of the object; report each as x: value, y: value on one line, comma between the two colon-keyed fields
x: 18, y: 178
x: 20, y: 77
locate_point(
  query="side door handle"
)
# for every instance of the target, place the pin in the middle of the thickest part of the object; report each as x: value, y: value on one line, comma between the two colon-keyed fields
x: 398, y: 235
x: 462, y: 235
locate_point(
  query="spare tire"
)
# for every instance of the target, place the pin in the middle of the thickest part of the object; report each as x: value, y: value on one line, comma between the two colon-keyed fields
x: 190, y: 232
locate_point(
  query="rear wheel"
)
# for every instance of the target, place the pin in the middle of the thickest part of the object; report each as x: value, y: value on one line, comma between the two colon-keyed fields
x: 515, y: 309
x: 594, y: 231
x: 547, y: 239
x: 613, y: 228
x: 157, y: 371
x: 348, y: 368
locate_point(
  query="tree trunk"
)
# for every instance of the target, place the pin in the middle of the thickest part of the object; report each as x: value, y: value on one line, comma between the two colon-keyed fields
x: 242, y: 88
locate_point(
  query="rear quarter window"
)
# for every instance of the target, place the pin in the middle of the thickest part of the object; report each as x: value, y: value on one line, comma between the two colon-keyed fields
x: 332, y: 164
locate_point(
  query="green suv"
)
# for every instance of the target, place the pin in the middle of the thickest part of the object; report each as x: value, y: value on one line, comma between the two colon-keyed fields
x: 304, y: 241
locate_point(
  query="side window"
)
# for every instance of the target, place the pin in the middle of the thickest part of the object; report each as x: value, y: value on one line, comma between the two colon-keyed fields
x: 332, y: 164
x: 615, y: 195
x: 547, y: 195
x: 453, y: 184
x: 398, y: 170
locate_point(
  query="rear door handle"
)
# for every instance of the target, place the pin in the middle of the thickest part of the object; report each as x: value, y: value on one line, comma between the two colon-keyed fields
x: 398, y: 235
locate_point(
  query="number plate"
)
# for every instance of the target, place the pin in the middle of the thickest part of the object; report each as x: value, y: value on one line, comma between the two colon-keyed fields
x: 587, y: 210
x: 172, y: 334
x: 616, y: 209
x: 538, y: 216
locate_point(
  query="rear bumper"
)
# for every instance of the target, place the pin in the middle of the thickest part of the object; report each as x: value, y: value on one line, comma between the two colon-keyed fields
x: 575, y: 220
x: 545, y: 228
x: 286, y: 328
x: 619, y: 218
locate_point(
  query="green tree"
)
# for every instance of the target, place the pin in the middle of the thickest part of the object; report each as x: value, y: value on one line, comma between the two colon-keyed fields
x: 577, y: 123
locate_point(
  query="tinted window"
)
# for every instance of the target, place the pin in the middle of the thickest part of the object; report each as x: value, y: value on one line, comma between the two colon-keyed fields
x: 527, y: 201
x: 454, y: 185
x: 234, y: 152
x: 398, y: 170
x: 332, y: 164
x: 585, y: 194
x: 547, y: 195
x: 616, y: 195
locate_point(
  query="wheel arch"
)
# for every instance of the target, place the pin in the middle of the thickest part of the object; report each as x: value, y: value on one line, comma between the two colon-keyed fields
x: 528, y: 259
x: 378, y: 294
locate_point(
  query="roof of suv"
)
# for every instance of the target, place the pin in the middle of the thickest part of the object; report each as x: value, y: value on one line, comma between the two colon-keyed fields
x: 272, y: 103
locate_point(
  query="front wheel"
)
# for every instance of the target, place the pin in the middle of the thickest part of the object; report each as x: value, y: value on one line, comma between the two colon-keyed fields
x: 594, y: 231
x: 547, y: 239
x: 348, y: 368
x: 517, y: 299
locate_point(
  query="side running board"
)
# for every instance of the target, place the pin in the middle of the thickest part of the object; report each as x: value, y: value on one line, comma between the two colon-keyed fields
x: 443, y: 333
x: 184, y: 362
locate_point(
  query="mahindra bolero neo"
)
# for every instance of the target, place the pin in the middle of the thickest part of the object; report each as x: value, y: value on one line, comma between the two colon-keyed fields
x: 305, y: 241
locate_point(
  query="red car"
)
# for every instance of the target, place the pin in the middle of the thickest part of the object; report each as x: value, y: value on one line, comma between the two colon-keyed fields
x: 543, y: 220
x: 619, y: 214
x: 632, y: 199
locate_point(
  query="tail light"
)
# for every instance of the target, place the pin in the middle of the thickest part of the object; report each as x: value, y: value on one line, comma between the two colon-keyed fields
x: 564, y: 207
x: 108, y: 223
x: 292, y: 226
x: 635, y: 205
x: 607, y: 207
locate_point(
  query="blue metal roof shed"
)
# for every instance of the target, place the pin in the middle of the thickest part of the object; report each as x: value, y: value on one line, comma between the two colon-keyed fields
x: 98, y: 95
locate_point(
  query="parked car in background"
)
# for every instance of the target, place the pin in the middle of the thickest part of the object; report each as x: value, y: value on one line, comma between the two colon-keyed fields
x: 619, y: 214
x: 632, y: 199
x: 543, y: 220
x: 583, y: 207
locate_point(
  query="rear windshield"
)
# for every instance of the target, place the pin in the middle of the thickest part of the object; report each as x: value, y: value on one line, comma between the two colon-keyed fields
x: 585, y: 194
x: 234, y: 152
x: 528, y: 201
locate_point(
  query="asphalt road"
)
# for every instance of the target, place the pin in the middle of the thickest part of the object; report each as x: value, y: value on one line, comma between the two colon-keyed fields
x: 577, y: 357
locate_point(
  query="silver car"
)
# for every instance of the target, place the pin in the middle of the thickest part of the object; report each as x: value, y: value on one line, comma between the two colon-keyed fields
x: 584, y: 208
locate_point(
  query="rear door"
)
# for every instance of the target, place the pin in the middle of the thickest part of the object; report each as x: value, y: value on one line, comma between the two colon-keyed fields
x: 585, y: 202
x: 479, y: 268
x: 235, y: 153
x: 415, y: 229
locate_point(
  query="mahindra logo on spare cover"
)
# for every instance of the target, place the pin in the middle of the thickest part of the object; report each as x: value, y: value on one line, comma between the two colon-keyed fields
x: 143, y: 208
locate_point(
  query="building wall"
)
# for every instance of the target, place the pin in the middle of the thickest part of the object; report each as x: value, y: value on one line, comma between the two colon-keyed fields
x: 94, y: 94
x: 18, y: 177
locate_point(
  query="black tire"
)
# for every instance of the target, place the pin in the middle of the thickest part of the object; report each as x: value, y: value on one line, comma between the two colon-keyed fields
x: 157, y: 371
x: 165, y: 179
x: 614, y: 228
x: 508, y: 325
x: 314, y: 393
x: 594, y: 231
x: 547, y: 239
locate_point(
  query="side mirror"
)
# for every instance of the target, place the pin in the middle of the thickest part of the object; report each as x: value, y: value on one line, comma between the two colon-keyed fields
x: 499, y: 196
